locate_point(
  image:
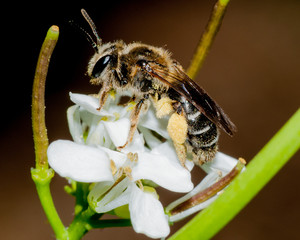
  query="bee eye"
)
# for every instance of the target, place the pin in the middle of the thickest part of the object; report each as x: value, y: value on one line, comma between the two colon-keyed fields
x: 100, y: 65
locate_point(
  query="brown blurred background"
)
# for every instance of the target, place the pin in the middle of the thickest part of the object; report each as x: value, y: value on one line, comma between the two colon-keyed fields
x: 252, y: 71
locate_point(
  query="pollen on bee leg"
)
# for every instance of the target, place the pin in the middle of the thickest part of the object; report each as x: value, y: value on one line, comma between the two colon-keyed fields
x: 163, y: 106
x: 177, y: 129
x: 181, y: 152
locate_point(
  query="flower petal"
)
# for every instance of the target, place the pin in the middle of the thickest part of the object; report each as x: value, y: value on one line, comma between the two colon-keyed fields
x: 205, y: 183
x: 97, y: 191
x: 137, y: 144
x: 79, y: 162
x: 150, y: 121
x: 210, y: 179
x: 147, y: 214
x: 167, y: 149
x: 89, y: 103
x: 118, y: 131
x: 99, y: 136
x: 150, y: 139
x: 116, y: 197
x: 163, y: 171
x: 118, y: 157
x: 73, y: 116
x: 221, y: 162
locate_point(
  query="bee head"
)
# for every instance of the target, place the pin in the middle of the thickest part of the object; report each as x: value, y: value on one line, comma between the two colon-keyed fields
x: 100, y: 64
x: 103, y: 66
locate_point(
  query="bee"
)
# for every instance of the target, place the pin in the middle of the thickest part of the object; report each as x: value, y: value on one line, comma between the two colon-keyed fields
x: 154, y: 77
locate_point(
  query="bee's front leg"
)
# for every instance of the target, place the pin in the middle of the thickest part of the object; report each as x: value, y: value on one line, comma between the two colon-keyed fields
x: 104, y: 92
x: 134, y: 119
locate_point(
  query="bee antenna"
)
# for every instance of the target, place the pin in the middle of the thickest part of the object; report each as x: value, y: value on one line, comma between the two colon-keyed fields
x: 85, y: 34
x: 92, y: 25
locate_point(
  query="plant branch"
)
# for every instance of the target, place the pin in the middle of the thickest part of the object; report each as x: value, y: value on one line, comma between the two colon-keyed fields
x: 80, y: 224
x: 42, y: 175
x: 38, y: 98
x: 258, y: 173
x: 82, y: 191
x: 207, y: 38
x: 89, y: 219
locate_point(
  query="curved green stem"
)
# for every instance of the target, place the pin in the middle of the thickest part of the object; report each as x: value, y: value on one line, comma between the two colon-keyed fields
x: 42, y: 175
x: 38, y: 98
x: 258, y: 173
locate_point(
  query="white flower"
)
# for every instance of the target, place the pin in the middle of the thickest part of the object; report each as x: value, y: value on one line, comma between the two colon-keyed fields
x: 146, y: 212
x: 111, y: 123
x: 120, y: 177
x: 91, y: 158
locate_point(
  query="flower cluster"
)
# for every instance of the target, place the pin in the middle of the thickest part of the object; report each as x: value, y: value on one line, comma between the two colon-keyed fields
x: 128, y: 177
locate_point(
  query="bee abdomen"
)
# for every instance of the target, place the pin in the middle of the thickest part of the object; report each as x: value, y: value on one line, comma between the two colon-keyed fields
x: 203, y: 130
x: 203, y: 135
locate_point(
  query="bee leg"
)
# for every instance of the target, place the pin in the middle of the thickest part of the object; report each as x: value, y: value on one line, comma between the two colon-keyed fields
x: 103, y: 95
x: 134, y: 119
x: 177, y: 129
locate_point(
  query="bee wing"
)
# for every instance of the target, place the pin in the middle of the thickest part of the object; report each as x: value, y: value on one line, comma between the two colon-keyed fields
x: 180, y: 82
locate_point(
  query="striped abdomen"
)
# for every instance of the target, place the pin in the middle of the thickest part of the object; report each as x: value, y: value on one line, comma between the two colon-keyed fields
x: 202, y: 137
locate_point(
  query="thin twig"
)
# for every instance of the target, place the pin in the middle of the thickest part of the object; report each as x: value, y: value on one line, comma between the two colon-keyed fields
x: 207, y: 38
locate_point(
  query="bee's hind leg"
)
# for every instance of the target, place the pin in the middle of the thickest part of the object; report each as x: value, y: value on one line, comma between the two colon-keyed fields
x: 177, y: 129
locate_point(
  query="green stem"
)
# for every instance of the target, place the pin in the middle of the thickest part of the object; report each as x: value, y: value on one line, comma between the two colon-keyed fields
x: 42, y: 179
x: 88, y: 220
x: 80, y: 224
x: 38, y: 98
x: 42, y: 175
x: 207, y: 38
x: 82, y: 191
x: 258, y: 173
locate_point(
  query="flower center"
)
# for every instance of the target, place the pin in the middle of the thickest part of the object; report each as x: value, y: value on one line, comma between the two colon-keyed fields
x: 126, y: 169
